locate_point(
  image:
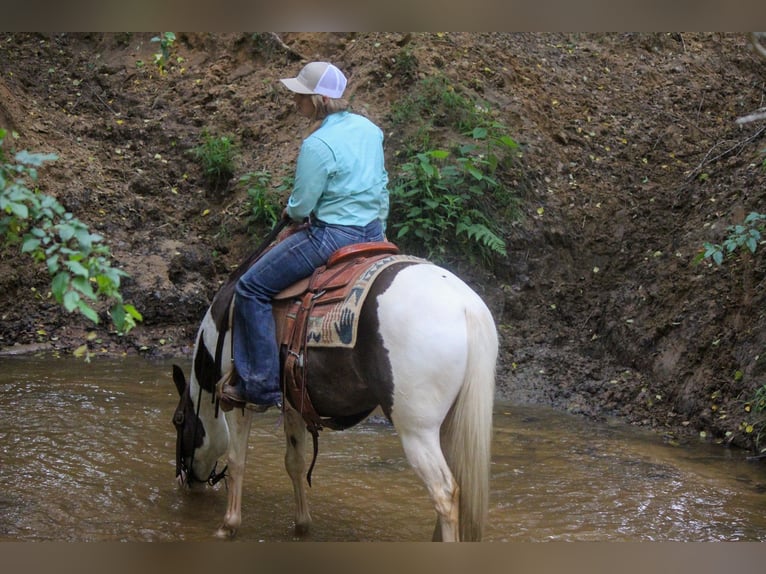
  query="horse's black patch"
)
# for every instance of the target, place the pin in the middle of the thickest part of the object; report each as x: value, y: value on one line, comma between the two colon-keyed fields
x: 370, y: 348
x: 205, y: 368
x: 190, y: 432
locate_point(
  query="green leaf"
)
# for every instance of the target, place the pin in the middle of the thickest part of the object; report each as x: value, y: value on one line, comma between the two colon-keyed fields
x: 59, y: 285
x: 77, y: 268
x: 508, y: 142
x: 483, y: 235
x: 439, y: 154
x: 53, y: 264
x: 88, y: 311
x: 133, y: 312
x: 66, y: 232
x: 30, y: 244
x: 85, y: 239
x: 71, y: 300
x: 83, y: 286
x: 18, y: 209
x: 477, y: 174
x: 117, y: 313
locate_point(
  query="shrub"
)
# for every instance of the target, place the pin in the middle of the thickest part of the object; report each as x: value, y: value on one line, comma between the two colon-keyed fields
x: 264, y: 199
x: 216, y: 155
x: 438, y: 203
x: 451, y: 201
x: 162, y: 58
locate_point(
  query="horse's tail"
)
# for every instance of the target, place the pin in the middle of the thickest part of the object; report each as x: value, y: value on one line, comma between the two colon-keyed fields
x: 467, y: 431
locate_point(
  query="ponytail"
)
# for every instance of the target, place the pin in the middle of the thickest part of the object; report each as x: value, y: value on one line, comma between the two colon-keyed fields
x: 323, y: 107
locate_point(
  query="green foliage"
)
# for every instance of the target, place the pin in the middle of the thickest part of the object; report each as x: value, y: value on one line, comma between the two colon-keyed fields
x: 405, y: 65
x: 162, y: 58
x: 264, y: 199
x: 436, y: 102
x: 451, y: 201
x: 443, y: 199
x: 216, y: 155
x: 76, y: 259
x: 747, y: 234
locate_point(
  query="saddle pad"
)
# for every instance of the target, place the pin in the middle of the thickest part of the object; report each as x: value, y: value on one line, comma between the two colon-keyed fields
x: 336, y: 325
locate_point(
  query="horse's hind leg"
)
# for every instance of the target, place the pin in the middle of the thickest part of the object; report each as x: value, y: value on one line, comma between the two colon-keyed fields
x: 295, y: 463
x: 424, y: 454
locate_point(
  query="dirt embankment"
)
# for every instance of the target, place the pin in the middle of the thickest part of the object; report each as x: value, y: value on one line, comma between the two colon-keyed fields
x: 632, y: 161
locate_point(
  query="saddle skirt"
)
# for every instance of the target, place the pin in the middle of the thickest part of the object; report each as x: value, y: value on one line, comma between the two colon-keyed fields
x: 323, y: 309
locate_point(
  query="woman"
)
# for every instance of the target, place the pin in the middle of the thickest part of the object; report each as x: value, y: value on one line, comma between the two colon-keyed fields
x: 340, y: 189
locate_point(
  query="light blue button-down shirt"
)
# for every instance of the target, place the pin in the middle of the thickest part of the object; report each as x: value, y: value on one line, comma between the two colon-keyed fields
x: 340, y: 176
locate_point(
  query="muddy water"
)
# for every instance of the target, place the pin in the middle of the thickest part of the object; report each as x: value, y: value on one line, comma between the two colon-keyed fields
x: 87, y: 454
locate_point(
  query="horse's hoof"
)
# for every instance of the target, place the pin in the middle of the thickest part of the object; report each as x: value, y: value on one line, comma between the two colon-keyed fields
x: 226, y: 532
x: 301, y: 530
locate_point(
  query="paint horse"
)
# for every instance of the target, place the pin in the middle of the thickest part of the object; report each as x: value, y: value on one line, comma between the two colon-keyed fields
x: 424, y: 351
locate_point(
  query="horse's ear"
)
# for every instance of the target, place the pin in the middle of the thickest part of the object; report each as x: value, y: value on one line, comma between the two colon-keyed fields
x: 179, y: 379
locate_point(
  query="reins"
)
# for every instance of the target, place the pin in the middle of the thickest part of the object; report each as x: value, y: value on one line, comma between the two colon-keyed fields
x: 214, y: 477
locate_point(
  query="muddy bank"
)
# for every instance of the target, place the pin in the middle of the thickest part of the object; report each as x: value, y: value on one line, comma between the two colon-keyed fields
x: 632, y: 161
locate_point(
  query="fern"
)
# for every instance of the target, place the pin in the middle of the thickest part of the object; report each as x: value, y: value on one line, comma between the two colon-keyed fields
x: 481, y: 234
x: 450, y: 202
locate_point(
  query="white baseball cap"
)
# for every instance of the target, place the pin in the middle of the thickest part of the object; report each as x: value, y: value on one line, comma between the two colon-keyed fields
x: 318, y: 78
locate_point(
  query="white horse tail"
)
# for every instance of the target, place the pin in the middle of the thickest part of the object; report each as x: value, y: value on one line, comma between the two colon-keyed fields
x: 466, y: 434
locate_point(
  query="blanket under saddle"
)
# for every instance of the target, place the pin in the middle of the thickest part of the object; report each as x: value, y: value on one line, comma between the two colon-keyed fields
x: 336, y: 294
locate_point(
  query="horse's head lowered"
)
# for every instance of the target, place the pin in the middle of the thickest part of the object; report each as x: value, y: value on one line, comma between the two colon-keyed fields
x: 202, y: 436
x: 196, y: 453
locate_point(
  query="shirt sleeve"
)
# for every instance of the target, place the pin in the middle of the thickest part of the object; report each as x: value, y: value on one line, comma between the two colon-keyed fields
x: 384, y: 205
x: 313, y: 168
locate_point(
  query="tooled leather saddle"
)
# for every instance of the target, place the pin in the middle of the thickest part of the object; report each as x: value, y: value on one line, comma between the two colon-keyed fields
x: 311, y: 302
x: 298, y: 307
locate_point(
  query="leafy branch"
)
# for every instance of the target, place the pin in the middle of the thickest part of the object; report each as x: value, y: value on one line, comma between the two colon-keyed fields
x: 77, y: 260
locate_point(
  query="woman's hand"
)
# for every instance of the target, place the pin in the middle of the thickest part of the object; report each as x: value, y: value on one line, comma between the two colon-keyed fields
x: 292, y: 227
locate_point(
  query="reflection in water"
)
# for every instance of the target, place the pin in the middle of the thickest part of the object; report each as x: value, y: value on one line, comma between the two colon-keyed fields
x: 87, y: 454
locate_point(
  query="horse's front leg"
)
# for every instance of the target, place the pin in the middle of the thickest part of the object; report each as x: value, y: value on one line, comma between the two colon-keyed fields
x: 295, y: 463
x: 239, y: 421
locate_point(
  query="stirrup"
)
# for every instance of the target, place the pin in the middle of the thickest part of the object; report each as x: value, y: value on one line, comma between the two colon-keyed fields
x: 229, y: 397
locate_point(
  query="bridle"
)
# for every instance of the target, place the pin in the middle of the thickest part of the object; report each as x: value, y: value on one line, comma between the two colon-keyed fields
x: 187, y: 472
x: 178, y: 419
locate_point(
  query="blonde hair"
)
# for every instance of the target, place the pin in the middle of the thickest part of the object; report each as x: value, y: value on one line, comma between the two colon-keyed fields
x: 323, y: 107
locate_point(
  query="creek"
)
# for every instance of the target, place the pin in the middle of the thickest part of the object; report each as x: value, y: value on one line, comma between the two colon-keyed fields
x: 87, y: 454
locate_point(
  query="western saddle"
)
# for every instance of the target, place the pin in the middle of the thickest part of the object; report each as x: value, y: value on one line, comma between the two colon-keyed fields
x: 329, y: 285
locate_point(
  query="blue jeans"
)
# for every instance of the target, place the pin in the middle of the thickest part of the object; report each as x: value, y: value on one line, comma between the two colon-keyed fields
x: 256, y: 355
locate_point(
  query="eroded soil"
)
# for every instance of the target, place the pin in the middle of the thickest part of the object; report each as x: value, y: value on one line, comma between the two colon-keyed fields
x: 632, y: 160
